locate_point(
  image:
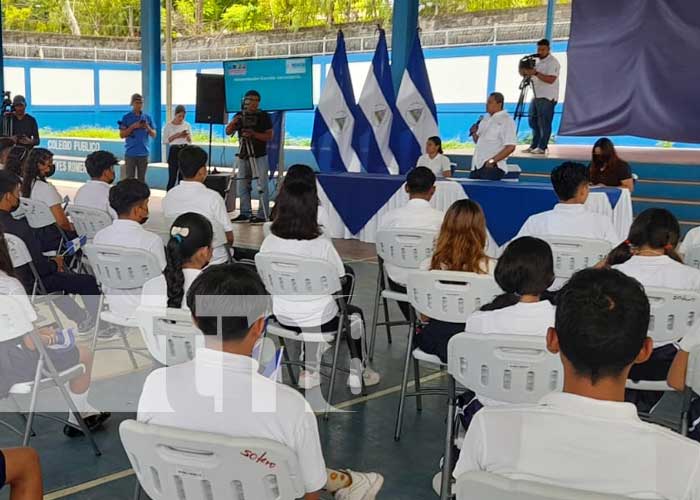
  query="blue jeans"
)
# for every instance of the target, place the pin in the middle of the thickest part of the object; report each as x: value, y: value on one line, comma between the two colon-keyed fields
x: 540, y: 118
x: 245, y: 178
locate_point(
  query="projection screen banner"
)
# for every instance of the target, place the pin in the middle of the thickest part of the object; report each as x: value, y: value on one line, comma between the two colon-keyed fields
x: 634, y: 69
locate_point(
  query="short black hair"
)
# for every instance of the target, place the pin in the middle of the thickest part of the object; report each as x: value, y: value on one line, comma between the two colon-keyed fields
x: 602, y: 320
x: 8, y: 182
x: 99, y: 161
x: 252, y: 93
x: 498, y: 97
x: 544, y: 42
x: 191, y: 158
x: 180, y: 109
x: 126, y: 194
x: 567, y: 178
x: 227, y: 299
x: 420, y: 180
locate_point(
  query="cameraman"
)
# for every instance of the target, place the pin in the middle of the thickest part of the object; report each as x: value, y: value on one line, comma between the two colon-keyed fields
x: 254, y: 125
x: 25, y: 131
x: 136, y: 127
x: 545, y: 84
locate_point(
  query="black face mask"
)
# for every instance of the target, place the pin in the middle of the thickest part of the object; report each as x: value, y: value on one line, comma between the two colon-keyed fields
x: 143, y: 220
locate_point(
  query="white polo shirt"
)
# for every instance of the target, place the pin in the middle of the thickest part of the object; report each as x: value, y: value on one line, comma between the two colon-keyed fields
x: 495, y: 132
x: 438, y: 165
x: 190, y: 196
x: 12, y: 287
x: 155, y: 291
x: 224, y: 394
x: 46, y: 192
x: 570, y: 221
x: 304, y: 310
x: 547, y: 66
x: 95, y: 194
x: 661, y: 271
x: 415, y: 214
x: 582, y: 443
x: 692, y: 239
x: 129, y: 234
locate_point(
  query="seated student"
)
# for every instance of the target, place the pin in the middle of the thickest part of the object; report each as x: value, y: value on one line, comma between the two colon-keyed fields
x: 191, y: 195
x: 569, y: 217
x: 187, y: 252
x: 129, y: 199
x: 228, y: 304
x: 95, y: 192
x: 691, y: 240
x: 19, y: 357
x: 50, y: 270
x: 608, y: 169
x: 587, y: 437
x: 6, y: 144
x: 460, y: 247
x: 295, y: 231
x: 434, y: 158
x: 21, y: 471
x: 303, y: 173
x: 677, y: 375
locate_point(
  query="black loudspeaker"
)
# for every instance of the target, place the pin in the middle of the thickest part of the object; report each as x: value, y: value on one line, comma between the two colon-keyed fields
x: 211, y: 100
x: 218, y: 182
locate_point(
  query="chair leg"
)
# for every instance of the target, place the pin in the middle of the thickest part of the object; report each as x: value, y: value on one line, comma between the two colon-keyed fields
x: 290, y: 368
x: 97, y: 323
x: 375, y: 315
x: 81, y: 423
x: 21, y: 414
x: 446, y: 483
x: 416, y: 384
x: 334, y: 367
x: 52, y: 308
x: 137, y: 489
x: 404, y: 382
x: 128, y: 350
x: 32, y: 404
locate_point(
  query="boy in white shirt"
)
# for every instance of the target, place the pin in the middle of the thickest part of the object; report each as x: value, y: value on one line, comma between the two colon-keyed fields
x: 691, y: 240
x: 95, y: 192
x: 191, y: 195
x: 570, y: 217
x: 129, y: 199
x: 221, y: 391
x: 587, y: 437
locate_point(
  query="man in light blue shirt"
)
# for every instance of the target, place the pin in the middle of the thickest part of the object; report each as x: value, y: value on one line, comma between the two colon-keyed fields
x: 136, y: 127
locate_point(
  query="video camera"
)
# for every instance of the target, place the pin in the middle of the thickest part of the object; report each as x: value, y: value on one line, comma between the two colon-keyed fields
x: 527, y: 63
x: 249, y: 119
x: 7, y: 106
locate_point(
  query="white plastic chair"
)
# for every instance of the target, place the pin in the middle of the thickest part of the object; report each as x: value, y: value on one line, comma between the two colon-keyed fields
x: 290, y: 275
x: 120, y: 268
x: 488, y: 486
x: 39, y: 215
x: 692, y: 257
x: 405, y: 248
x: 88, y: 221
x: 449, y: 296
x: 169, y: 334
x: 573, y: 254
x: 179, y: 464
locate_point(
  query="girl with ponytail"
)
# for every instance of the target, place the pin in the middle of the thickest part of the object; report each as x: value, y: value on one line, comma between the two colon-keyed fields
x: 187, y: 252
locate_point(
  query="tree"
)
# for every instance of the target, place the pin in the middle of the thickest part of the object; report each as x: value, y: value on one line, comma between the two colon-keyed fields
x: 70, y: 15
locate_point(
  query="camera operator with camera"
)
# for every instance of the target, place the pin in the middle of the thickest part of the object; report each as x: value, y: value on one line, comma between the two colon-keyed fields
x: 545, y: 84
x: 25, y: 131
x: 254, y: 128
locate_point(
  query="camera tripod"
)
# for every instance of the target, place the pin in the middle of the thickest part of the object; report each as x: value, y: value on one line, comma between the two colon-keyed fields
x: 520, y: 111
x: 249, y: 151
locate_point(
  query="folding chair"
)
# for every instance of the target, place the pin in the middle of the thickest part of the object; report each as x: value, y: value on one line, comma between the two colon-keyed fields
x: 88, y: 221
x: 169, y: 334
x: 292, y: 276
x: 488, y: 486
x: 117, y: 269
x: 573, y: 254
x: 692, y: 257
x: 449, y: 296
x: 39, y: 215
x: 510, y: 368
x: 13, y: 326
x: 404, y: 248
x: 188, y: 465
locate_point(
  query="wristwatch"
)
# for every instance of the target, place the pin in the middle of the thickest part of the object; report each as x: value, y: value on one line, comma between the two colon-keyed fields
x: 491, y: 162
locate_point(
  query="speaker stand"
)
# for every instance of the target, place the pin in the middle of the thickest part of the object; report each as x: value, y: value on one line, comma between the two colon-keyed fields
x: 214, y: 170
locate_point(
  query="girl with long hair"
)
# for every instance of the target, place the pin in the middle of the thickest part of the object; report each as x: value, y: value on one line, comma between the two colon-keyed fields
x: 435, y: 159
x: 306, y: 175
x: 607, y: 168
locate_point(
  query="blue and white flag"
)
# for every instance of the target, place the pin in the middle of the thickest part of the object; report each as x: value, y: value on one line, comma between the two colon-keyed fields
x: 334, y: 119
x: 377, y: 107
x: 416, y: 118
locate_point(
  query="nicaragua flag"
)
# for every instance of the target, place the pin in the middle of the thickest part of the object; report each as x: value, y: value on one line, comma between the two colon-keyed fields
x: 334, y: 119
x: 416, y: 117
x: 376, y: 113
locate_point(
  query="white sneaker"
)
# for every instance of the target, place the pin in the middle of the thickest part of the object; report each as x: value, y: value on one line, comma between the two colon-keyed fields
x: 528, y: 150
x: 309, y: 380
x: 369, y: 376
x: 537, y: 151
x: 364, y: 486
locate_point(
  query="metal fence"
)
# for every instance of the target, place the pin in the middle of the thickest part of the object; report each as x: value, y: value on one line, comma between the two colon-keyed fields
x: 472, y: 35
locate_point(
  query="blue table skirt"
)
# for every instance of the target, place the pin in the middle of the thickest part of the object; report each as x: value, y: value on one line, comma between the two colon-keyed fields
x: 507, y: 205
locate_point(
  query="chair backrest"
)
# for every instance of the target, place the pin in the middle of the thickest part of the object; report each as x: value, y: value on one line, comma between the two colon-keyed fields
x: 449, y: 295
x: 488, y: 486
x: 405, y: 248
x: 87, y: 220
x: 508, y: 368
x: 267, y: 229
x: 37, y: 213
x: 573, y: 254
x: 178, y: 464
x: 121, y: 268
x: 692, y: 257
x: 169, y: 334
x: 674, y: 313
x: 13, y: 320
x: 285, y: 274
x: 692, y: 375
x: 19, y: 253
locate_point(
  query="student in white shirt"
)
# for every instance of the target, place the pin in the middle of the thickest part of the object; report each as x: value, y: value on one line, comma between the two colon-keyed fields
x: 587, y: 437
x: 569, y: 217
x: 295, y: 231
x: 188, y: 251
x: 221, y: 391
x: 177, y: 133
x: 129, y: 199
x: 191, y: 195
x: 95, y: 192
x: 691, y: 240
x: 496, y: 137
x: 435, y: 159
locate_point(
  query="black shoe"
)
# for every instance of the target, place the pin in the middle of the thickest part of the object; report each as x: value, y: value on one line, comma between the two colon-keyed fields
x: 93, y: 422
x: 257, y: 220
x: 88, y: 324
x: 241, y: 218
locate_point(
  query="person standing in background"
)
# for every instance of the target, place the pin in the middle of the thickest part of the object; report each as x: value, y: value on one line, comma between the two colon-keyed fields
x: 177, y: 134
x: 25, y: 131
x: 136, y: 127
x: 545, y: 85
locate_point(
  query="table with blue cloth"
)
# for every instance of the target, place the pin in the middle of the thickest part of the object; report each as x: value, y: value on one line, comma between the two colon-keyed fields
x: 355, y: 203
